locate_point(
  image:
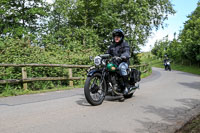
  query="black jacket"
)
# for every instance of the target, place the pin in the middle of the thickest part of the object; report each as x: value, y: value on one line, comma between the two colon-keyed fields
x: 119, y: 50
x: 165, y: 60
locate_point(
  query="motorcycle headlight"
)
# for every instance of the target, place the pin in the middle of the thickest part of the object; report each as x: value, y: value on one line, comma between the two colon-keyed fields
x: 97, y: 60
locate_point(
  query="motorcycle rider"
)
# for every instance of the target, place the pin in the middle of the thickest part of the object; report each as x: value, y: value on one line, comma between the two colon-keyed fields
x: 121, y: 51
x: 166, y: 59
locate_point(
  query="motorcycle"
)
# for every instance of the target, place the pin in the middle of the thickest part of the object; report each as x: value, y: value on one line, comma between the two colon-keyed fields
x: 104, y: 79
x: 167, y: 65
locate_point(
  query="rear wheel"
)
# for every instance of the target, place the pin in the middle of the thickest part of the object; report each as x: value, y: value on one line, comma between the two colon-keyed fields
x: 94, y: 89
x: 169, y: 68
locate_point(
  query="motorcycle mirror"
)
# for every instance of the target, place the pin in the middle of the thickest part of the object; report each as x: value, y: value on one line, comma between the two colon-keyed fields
x: 91, y: 58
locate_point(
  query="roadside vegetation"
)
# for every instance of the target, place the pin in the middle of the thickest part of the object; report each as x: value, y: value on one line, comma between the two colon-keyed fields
x: 191, y: 127
x: 68, y: 32
x: 184, y: 52
x: 184, y: 49
x: 154, y: 61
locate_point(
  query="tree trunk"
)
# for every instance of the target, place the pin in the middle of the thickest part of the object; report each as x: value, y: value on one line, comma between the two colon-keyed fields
x: 23, y: 13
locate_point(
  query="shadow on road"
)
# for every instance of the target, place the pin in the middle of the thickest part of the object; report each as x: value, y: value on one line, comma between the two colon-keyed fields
x: 83, y: 102
x: 173, y: 117
x: 113, y: 98
x: 194, y: 85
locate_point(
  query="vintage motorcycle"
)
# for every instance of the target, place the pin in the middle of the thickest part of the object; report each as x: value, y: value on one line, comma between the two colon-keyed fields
x: 167, y: 65
x: 104, y: 79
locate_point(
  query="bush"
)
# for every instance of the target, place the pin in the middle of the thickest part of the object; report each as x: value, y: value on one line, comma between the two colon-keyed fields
x: 22, y: 51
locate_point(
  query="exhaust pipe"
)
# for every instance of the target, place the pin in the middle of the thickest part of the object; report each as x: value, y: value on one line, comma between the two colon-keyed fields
x: 132, y: 89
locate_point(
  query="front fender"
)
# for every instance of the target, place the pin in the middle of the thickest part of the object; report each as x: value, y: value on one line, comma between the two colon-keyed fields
x: 93, y: 71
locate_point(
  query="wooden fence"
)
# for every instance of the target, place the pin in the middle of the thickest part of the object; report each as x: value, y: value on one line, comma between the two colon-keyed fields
x: 143, y: 68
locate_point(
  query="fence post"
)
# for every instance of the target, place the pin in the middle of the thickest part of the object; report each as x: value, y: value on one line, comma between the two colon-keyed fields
x: 71, y: 84
x: 140, y: 68
x: 24, y: 76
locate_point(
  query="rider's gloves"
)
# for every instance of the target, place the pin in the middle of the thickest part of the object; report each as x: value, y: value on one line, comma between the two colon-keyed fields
x: 123, y: 57
x: 118, y: 59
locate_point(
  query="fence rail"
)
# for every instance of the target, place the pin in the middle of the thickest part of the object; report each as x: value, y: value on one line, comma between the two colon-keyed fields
x: 45, y: 65
x: 143, y: 68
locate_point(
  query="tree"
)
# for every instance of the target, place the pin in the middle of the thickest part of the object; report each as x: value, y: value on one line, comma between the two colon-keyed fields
x: 19, y: 17
x: 187, y: 46
x: 136, y: 18
x: 190, y: 36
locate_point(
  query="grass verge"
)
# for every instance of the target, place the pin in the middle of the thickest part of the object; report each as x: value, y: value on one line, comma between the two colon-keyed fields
x: 191, y: 127
x: 148, y: 73
x: 179, y: 67
x: 148, y: 58
x: 15, y: 92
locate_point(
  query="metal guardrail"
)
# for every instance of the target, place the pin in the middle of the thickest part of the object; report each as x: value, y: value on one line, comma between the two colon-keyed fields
x: 143, y: 68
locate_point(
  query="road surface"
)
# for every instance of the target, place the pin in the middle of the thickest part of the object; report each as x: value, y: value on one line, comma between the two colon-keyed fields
x: 164, y: 102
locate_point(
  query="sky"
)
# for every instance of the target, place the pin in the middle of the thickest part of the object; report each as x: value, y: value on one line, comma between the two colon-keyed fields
x: 50, y: 1
x: 175, y: 22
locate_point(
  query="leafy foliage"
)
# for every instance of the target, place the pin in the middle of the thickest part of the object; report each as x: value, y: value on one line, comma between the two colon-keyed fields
x: 187, y: 46
x: 190, y: 36
x: 136, y: 18
x: 19, y: 17
x: 69, y: 31
x: 20, y: 51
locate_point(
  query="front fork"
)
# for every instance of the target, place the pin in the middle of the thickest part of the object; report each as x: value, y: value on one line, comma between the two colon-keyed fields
x: 103, y: 75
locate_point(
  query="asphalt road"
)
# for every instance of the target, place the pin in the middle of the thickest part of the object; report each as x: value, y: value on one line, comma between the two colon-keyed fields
x: 164, y: 102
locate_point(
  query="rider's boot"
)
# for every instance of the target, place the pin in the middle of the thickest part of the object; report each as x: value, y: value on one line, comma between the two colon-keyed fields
x: 126, y: 85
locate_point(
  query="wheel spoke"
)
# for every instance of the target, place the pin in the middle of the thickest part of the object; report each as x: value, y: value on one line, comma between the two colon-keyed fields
x: 98, y: 94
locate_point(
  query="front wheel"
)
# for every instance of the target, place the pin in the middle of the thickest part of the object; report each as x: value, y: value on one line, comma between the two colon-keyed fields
x: 169, y: 68
x: 94, y: 89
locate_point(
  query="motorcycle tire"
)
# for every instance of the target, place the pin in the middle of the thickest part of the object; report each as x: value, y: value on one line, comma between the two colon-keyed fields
x: 87, y: 90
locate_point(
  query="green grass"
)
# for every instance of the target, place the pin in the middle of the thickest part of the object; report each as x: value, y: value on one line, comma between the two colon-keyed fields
x: 189, y: 69
x: 191, y: 127
x: 148, y: 58
x: 194, y: 125
x: 148, y: 73
x: 179, y: 67
x: 15, y: 92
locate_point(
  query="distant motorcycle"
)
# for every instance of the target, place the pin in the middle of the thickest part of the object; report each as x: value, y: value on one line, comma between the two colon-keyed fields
x: 104, y: 79
x: 167, y: 66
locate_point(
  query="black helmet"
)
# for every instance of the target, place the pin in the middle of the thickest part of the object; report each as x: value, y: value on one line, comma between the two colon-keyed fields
x: 118, y: 32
